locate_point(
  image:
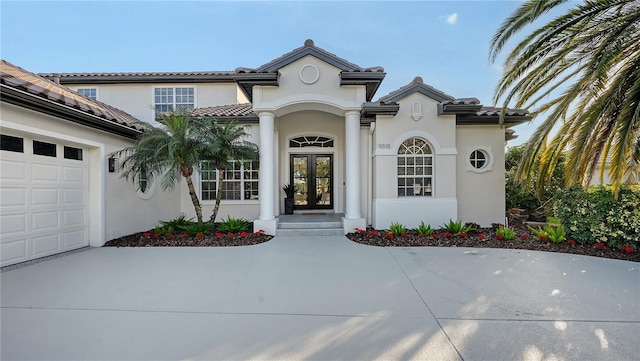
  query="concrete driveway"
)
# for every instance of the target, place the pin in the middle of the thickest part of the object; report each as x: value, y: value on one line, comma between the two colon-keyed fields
x: 321, y: 298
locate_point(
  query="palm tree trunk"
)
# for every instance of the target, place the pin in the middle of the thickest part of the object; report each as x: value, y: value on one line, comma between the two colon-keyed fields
x: 194, y: 198
x: 218, y: 195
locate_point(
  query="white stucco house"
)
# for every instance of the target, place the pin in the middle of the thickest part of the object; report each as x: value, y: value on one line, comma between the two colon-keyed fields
x: 416, y: 154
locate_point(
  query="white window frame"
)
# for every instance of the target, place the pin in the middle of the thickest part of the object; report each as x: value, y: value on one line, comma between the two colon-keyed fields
x: 82, y: 90
x: 173, y: 103
x: 426, y: 189
x: 488, y: 165
x: 244, y: 182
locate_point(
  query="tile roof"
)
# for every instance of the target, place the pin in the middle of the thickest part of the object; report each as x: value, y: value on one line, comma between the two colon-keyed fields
x: 309, y: 48
x: 227, y: 111
x: 137, y: 74
x: 142, y: 77
x: 417, y: 84
x: 495, y: 112
x: 15, y: 78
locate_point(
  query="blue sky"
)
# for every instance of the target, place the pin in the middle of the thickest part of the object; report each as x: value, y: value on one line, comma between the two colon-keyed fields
x: 444, y: 42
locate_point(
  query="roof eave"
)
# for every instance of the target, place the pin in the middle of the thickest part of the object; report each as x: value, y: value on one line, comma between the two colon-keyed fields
x: 371, y: 80
x: 373, y: 109
x: 246, y: 81
x: 46, y: 106
x: 509, y: 121
x: 458, y: 109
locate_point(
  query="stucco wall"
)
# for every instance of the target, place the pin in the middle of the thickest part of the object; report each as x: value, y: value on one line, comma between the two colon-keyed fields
x: 138, y: 99
x: 114, y: 204
x: 389, y: 134
x: 481, y: 194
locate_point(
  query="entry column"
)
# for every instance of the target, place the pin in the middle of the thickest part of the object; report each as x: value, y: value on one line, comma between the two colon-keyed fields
x: 352, y: 217
x: 266, y: 175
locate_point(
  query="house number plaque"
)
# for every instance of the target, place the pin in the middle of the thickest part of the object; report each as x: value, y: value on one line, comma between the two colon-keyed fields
x: 384, y: 146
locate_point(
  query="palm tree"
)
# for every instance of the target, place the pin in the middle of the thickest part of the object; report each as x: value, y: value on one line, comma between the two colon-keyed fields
x: 172, y: 150
x: 227, y: 144
x: 591, y: 56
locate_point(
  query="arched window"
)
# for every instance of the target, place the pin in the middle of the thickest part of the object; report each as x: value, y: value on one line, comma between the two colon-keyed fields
x: 415, y: 168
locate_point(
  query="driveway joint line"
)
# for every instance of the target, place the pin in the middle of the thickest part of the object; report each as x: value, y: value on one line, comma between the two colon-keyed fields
x: 205, y: 312
x: 425, y: 304
x: 534, y: 320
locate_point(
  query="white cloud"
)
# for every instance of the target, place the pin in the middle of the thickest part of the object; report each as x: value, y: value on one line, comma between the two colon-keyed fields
x: 452, y: 19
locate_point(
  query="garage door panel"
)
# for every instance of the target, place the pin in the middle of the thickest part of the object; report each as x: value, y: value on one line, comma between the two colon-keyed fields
x: 45, y: 245
x: 73, y: 175
x: 44, y: 196
x: 44, y: 204
x: 13, y: 223
x: 12, y: 170
x: 44, y: 173
x: 74, y: 239
x: 45, y: 220
x: 73, y: 196
x: 73, y: 217
x: 14, y: 251
x: 13, y: 196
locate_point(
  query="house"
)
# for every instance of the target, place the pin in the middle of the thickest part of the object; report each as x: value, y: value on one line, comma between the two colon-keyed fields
x: 416, y: 154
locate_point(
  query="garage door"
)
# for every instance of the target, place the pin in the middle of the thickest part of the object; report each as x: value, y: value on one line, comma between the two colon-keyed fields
x: 43, y: 198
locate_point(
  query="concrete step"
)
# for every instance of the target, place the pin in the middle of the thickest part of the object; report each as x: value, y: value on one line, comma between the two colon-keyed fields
x: 302, y: 232
x: 309, y: 225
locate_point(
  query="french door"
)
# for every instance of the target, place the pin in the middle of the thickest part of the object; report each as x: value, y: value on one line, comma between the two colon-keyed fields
x: 312, y: 174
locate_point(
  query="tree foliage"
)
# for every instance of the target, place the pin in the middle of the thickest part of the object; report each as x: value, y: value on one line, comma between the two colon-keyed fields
x: 227, y: 143
x: 171, y: 151
x: 519, y: 195
x: 591, y: 55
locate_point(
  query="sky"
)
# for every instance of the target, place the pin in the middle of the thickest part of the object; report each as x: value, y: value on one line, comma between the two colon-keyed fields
x: 444, y: 42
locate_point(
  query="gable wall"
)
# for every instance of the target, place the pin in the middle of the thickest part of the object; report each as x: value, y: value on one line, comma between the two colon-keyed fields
x: 293, y: 94
x: 389, y: 134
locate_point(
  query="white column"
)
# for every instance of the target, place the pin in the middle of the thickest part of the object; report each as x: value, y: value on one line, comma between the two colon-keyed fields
x: 352, y: 165
x: 266, y: 174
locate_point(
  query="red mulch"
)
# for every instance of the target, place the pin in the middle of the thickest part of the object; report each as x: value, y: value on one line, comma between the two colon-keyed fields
x: 482, y: 238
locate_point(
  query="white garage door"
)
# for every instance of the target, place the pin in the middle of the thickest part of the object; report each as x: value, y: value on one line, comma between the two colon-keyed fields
x: 43, y: 198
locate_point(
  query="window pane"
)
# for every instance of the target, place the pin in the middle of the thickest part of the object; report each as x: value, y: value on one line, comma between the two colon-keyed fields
x: 43, y: 148
x: 72, y: 153
x: 11, y: 144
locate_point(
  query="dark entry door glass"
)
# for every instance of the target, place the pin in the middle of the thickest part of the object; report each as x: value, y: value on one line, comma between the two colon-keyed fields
x: 312, y: 175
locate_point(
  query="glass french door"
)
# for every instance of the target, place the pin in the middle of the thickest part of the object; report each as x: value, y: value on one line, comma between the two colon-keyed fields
x: 312, y: 174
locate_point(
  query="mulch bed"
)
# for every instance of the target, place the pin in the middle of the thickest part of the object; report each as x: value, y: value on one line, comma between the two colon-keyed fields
x: 486, y: 238
x: 482, y: 238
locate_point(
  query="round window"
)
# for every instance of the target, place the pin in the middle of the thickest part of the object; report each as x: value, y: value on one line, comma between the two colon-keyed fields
x: 478, y: 159
x: 146, y: 186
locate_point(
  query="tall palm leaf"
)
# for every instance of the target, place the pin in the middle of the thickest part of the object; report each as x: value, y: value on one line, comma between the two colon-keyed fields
x: 227, y: 144
x: 591, y: 55
x: 172, y: 151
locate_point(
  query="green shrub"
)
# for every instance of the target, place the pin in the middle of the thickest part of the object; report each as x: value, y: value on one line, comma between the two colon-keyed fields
x: 196, y: 228
x: 456, y: 227
x: 551, y: 232
x: 233, y: 225
x: 424, y: 229
x: 397, y: 229
x: 505, y: 233
x: 163, y: 230
x: 597, y: 215
x: 179, y: 223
